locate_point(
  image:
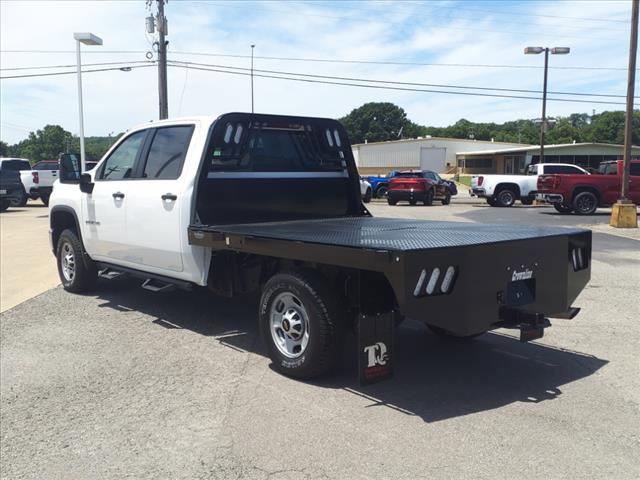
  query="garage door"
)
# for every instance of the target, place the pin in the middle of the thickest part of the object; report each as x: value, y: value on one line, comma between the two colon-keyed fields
x: 433, y: 159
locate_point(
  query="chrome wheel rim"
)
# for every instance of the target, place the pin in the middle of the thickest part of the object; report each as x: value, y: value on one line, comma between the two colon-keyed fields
x: 507, y: 197
x: 585, y: 203
x: 289, y: 325
x: 67, y: 262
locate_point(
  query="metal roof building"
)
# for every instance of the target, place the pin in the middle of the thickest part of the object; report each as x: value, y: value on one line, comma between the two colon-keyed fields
x: 428, y: 153
x: 516, y: 159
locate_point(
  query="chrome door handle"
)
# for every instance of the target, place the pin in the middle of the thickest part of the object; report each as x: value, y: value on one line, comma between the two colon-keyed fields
x: 118, y: 195
x: 169, y: 196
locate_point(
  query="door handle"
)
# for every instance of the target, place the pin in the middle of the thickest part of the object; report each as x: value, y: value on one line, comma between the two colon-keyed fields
x: 118, y: 195
x: 169, y: 196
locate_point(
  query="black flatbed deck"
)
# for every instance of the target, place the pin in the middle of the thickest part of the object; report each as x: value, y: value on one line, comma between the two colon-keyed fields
x: 389, y: 234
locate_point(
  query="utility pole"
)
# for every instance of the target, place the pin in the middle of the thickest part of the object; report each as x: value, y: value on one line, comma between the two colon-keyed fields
x: 624, y: 214
x: 161, y: 22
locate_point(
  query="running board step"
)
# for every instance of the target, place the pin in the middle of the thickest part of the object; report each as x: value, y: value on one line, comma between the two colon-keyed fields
x: 157, y: 286
x: 109, y: 274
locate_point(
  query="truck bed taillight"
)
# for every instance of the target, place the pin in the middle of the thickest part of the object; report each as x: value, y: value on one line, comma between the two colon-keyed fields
x: 480, y: 181
x: 36, y: 179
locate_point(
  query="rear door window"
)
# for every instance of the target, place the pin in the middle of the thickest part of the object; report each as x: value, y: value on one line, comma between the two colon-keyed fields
x: 562, y: 169
x: 167, y: 152
x: 119, y: 165
x: 635, y: 169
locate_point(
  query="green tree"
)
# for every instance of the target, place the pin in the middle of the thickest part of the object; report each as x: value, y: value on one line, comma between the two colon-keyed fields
x: 564, y: 131
x: 4, y: 149
x: 45, y: 144
x: 376, y: 122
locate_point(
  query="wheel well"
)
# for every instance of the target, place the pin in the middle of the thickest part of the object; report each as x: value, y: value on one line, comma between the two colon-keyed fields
x: 578, y: 190
x: 60, y: 221
x: 508, y: 186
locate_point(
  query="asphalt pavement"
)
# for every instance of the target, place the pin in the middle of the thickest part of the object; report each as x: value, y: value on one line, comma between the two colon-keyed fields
x: 127, y: 383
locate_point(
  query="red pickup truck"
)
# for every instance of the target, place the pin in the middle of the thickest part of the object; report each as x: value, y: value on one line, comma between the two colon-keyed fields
x: 583, y: 194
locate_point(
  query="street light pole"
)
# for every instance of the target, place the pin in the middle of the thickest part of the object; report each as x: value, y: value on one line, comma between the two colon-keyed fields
x: 87, y: 39
x: 252, y: 47
x: 546, y: 50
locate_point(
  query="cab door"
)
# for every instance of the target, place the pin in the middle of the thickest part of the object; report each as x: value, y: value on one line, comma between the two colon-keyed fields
x: 156, y: 200
x: 634, y: 182
x: 104, y: 231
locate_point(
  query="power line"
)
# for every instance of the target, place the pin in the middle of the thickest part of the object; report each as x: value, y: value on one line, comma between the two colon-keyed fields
x: 46, y: 67
x: 464, y: 87
x: 384, y: 87
x: 331, y: 60
x: 31, y: 75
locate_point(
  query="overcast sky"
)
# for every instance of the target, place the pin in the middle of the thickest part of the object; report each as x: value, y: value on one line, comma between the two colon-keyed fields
x: 434, y: 32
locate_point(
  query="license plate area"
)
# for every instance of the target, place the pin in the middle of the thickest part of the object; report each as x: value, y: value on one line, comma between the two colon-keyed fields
x: 521, y: 292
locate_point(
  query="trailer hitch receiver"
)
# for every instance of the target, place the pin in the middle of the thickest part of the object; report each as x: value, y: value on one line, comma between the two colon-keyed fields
x: 530, y: 324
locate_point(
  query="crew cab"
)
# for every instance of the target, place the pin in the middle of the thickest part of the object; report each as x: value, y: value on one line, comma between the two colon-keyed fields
x: 251, y: 202
x: 504, y: 190
x: 418, y: 186
x: 584, y: 194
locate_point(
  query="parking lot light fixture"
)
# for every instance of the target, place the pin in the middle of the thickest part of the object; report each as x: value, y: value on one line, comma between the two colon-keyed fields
x: 87, y: 39
x: 546, y: 50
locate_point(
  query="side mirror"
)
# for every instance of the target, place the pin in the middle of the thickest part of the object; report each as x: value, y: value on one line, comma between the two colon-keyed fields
x: 69, y: 168
x: 86, y: 185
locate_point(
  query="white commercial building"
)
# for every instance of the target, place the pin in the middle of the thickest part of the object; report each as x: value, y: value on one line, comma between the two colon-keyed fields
x: 428, y: 153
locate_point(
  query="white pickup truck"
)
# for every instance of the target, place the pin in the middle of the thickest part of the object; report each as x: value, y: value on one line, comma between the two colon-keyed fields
x: 250, y: 202
x: 504, y: 190
x: 37, y: 181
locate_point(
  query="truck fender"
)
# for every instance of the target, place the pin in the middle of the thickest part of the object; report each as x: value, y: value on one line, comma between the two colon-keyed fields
x: 511, y: 186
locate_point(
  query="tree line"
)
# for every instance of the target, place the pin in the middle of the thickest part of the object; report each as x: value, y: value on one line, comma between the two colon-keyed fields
x: 378, y: 122
x: 374, y: 122
x: 52, y: 140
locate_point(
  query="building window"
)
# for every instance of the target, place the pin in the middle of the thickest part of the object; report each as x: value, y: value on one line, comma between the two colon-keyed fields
x: 478, y: 163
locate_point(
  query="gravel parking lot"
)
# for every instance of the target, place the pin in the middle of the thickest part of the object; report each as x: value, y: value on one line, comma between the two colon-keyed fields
x: 125, y: 383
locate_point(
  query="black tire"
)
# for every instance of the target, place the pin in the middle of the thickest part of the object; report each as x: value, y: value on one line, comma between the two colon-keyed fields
x: 492, y: 201
x: 526, y: 201
x: 447, y: 199
x: 428, y: 198
x: 441, y: 332
x: 413, y: 202
x: 585, y: 203
x: 21, y: 201
x: 45, y: 199
x: 4, y: 204
x: 367, y: 196
x: 391, y: 202
x: 83, y: 274
x: 325, y: 321
x: 382, y: 191
x: 505, y: 198
x: 560, y: 208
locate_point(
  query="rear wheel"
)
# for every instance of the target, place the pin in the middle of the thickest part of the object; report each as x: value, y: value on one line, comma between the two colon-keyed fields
x: 77, y: 273
x: 45, y: 199
x: 585, y: 203
x: 301, y: 323
x: 441, y: 332
x: 21, y: 201
x: 492, y: 202
x: 428, y: 199
x: 560, y: 208
x: 526, y: 201
x: 391, y: 202
x: 367, y: 196
x: 505, y: 198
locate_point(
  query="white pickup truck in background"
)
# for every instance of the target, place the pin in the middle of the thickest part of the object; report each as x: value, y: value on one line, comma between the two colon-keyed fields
x: 37, y: 181
x: 504, y: 190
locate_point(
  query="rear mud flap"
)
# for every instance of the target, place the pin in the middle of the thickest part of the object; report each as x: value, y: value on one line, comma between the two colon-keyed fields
x: 375, y: 347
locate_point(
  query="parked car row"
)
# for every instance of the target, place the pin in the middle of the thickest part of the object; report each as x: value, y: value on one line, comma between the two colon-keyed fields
x: 35, y: 181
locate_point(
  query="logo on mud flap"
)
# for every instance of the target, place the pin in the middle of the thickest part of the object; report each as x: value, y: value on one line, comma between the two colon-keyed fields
x: 524, y: 275
x: 376, y: 354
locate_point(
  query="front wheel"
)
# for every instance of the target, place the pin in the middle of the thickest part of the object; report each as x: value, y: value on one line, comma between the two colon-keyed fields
x: 447, y: 199
x: 585, y: 203
x: 560, y: 208
x: 301, y: 323
x: 77, y: 273
x: 382, y: 191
